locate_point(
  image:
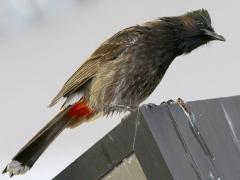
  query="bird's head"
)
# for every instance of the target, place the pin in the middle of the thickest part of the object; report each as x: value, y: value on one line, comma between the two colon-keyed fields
x: 193, y: 30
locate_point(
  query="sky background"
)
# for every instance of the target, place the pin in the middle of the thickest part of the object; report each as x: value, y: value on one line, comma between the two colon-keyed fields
x: 42, y: 42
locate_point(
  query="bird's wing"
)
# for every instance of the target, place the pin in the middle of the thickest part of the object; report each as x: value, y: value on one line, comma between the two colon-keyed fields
x: 109, y: 50
x: 79, y: 78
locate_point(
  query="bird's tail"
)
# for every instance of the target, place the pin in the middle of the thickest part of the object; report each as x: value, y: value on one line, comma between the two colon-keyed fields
x: 29, y: 154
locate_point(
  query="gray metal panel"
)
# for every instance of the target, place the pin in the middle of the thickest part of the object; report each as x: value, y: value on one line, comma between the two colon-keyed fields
x: 201, y: 145
x: 130, y: 136
x: 103, y: 156
x: 171, y: 144
x: 146, y: 150
x: 128, y: 169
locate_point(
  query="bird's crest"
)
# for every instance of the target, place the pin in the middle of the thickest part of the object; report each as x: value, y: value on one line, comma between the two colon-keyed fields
x: 200, y: 16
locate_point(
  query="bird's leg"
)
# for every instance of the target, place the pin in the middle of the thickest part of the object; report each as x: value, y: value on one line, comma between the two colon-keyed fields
x: 128, y: 108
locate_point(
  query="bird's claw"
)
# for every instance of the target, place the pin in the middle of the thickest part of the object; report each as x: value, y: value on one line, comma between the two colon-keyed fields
x: 149, y: 106
x: 180, y: 102
x: 170, y: 101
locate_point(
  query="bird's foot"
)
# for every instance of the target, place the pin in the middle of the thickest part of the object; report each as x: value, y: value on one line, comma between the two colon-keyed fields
x: 180, y: 102
x: 149, y: 106
x: 15, y: 168
x: 168, y: 102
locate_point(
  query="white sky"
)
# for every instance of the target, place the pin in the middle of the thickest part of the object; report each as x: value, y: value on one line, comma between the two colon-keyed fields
x: 43, y: 42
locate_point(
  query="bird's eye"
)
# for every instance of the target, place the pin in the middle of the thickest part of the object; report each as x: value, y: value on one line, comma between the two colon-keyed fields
x: 211, y: 29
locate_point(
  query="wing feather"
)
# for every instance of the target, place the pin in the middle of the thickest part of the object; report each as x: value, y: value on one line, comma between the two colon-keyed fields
x: 109, y: 50
x: 80, y: 77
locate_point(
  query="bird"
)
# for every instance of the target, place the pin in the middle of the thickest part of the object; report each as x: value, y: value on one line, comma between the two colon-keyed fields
x: 119, y: 75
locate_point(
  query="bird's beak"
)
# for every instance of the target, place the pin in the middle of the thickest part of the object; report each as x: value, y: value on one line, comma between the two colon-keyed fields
x: 213, y: 35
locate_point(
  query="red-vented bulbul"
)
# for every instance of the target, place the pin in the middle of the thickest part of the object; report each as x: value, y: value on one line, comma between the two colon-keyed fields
x: 119, y: 75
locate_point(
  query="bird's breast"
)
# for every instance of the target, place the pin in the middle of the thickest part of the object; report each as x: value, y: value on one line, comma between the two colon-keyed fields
x: 128, y: 80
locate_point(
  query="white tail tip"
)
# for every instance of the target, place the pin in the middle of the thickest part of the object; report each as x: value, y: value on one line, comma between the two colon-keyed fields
x: 15, y: 168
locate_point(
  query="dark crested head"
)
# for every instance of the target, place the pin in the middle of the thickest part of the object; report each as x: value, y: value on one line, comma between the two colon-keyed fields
x: 201, y: 21
x: 193, y: 30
